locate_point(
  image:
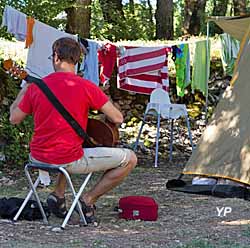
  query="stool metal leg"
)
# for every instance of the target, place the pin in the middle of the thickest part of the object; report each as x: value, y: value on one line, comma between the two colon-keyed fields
x: 26, y: 200
x: 76, y: 198
x: 45, y: 220
x: 33, y: 186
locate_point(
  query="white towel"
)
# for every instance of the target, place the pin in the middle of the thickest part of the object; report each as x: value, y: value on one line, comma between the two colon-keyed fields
x: 38, y: 64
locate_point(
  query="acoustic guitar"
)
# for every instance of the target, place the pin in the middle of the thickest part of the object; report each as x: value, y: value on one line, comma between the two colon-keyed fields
x: 101, y: 133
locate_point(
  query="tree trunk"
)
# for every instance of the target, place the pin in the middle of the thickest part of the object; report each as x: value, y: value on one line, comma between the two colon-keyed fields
x: 193, y: 16
x: 239, y: 7
x: 219, y: 9
x: 78, y: 18
x: 150, y: 13
x: 112, y: 10
x: 164, y: 19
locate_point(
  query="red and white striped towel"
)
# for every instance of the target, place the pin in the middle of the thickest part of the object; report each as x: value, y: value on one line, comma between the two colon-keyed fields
x: 142, y: 69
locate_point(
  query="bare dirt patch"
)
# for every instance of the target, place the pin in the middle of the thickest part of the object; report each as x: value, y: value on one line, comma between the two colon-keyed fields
x: 184, y: 220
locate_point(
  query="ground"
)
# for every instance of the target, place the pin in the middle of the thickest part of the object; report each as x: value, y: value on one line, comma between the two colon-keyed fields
x: 184, y: 220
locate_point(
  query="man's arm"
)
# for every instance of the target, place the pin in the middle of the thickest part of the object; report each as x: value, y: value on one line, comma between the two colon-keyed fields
x: 16, y: 114
x: 112, y: 113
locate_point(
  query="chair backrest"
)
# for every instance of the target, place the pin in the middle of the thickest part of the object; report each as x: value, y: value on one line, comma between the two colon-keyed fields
x: 159, y: 96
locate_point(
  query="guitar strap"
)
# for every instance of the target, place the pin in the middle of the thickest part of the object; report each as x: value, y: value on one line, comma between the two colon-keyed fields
x: 60, y: 108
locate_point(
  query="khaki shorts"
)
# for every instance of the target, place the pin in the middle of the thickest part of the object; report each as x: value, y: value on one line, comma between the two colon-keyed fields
x: 97, y: 159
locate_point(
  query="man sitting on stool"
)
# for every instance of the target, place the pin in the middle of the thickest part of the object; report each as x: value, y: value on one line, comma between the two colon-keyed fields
x: 54, y: 140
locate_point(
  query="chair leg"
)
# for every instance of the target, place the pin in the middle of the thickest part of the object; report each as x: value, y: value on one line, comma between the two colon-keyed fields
x: 76, y: 198
x: 26, y: 200
x: 33, y: 188
x: 189, y: 132
x: 171, y: 140
x: 157, y: 139
x: 139, y: 134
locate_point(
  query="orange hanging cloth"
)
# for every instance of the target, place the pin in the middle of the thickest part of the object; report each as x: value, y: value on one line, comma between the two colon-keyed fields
x: 29, y: 34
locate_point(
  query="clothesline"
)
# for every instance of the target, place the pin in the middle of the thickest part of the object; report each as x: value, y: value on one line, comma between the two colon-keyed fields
x: 145, y: 66
x: 155, y: 44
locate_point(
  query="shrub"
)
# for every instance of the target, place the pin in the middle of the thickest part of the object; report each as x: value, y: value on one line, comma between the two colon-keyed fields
x: 14, y: 140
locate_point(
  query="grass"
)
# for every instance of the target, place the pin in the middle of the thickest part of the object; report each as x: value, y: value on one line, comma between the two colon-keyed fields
x: 197, y: 244
x: 246, y: 232
x: 206, y: 244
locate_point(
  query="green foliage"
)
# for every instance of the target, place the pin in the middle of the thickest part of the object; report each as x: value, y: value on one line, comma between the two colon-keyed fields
x: 139, y: 26
x: 14, y: 140
x: 133, y: 27
x: 99, y: 28
x: 178, y: 17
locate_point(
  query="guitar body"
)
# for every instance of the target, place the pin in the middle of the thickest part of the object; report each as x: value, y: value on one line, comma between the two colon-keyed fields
x: 103, y: 133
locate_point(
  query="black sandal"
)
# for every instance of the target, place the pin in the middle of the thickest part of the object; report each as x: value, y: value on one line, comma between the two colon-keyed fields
x: 89, y: 213
x: 57, y: 205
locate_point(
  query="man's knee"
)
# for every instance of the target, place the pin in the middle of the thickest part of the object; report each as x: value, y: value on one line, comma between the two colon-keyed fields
x: 132, y: 160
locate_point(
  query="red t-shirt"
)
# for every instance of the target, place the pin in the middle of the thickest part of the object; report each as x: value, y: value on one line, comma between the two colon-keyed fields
x: 54, y: 141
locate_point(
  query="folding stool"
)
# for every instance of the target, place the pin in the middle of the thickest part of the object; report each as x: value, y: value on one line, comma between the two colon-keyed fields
x: 33, y: 186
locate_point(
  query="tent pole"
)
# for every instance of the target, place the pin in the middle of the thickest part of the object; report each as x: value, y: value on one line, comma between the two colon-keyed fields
x: 207, y: 73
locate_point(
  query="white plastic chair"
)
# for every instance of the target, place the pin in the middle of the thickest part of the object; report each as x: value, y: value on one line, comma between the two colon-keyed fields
x: 161, y: 106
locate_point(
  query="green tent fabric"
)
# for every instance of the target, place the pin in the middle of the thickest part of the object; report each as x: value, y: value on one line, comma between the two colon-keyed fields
x: 201, y: 66
x: 223, y: 150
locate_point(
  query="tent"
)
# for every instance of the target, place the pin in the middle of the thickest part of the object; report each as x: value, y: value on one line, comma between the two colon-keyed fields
x: 236, y: 26
x: 224, y: 149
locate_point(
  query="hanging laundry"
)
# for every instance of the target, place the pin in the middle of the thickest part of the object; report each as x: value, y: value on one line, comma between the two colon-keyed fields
x: 182, y: 67
x: 201, y: 66
x: 107, y: 56
x: 229, y: 52
x: 38, y: 63
x: 142, y: 69
x: 175, y: 50
x: 15, y: 21
x: 29, y: 35
x: 89, y: 65
x: 84, y: 43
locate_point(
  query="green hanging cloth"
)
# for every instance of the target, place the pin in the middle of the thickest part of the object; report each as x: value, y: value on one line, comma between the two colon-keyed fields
x: 182, y: 67
x: 229, y: 51
x: 201, y: 66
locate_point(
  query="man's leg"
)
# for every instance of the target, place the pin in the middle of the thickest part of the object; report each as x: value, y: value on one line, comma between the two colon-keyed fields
x: 61, y: 185
x: 109, y: 180
x: 56, y: 200
x: 117, y: 164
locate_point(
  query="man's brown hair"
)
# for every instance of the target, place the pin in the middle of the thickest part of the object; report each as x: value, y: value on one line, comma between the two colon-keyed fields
x: 67, y: 49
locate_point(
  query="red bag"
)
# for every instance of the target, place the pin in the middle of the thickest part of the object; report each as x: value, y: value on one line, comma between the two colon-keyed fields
x: 138, y: 207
